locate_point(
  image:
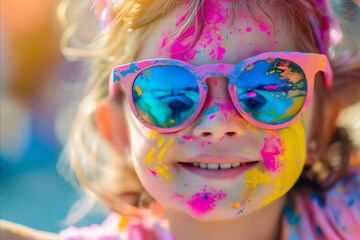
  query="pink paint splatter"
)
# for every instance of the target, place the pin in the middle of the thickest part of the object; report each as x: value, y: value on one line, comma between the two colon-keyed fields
x: 151, y: 171
x: 271, y: 87
x: 204, y: 201
x: 188, y: 137
x: 269, y: 151
x: 251, y: 94
x: 268, y: 33
x: 212, y: 116
x: 177, y: 195
x: 222, y: 138
x: 248, y: 29
x: 221, y: 52
x: 262, y: 28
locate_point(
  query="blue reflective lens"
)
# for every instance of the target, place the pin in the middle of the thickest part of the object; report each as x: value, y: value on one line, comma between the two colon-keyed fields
x: 273, y: 91
x: 165, y: 96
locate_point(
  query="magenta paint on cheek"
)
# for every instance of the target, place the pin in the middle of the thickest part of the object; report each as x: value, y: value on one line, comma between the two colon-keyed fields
x: 269, y: 152
x: 205, y: 201
x: 248, y: 29
x: 151, y: 172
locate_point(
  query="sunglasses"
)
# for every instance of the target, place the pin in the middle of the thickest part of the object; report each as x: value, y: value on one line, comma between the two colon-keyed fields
x: 270, y: 90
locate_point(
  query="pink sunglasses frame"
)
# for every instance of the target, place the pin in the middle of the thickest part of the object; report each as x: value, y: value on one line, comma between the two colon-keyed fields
x: 311, y: 63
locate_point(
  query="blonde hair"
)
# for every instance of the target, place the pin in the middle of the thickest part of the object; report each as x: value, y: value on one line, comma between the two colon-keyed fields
x: 120, y: 188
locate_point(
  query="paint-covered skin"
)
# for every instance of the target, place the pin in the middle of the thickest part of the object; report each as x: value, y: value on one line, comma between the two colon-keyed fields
x: 218, y: 129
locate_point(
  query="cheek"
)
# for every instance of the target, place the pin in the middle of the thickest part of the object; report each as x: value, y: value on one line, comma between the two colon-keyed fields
x: 150, y: 151
x: 284, y: 156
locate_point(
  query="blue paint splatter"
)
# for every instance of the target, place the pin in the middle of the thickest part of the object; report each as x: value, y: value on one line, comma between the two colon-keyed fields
x: 319, y: 231
x: 133, y: 68
x: 211, y: 110
x: 180, y: 141
x: 315, y: 197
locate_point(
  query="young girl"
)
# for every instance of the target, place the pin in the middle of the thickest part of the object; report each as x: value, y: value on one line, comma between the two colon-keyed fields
x: 216, y: 120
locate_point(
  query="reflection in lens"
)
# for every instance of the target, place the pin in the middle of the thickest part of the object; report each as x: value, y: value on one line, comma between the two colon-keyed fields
x: 165, y: 96
x: 272, y: 90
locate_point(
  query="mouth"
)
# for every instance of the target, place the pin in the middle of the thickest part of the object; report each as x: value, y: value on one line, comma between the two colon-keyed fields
x: 215, y: 166
x: 218, y: 166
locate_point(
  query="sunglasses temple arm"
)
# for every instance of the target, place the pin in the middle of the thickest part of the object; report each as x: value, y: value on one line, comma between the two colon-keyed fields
x: 328, y: 73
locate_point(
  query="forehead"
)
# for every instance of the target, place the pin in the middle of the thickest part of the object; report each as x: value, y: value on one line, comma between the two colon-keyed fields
x: 228, y: 35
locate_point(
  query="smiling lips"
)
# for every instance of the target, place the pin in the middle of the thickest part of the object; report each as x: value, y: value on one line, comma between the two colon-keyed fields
x: 224, y: 161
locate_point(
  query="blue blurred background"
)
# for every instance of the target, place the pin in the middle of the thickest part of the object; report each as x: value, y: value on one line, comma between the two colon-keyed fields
x: 39, y: 95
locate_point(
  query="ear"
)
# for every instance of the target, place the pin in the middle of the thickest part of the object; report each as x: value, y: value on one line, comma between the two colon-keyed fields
x: 111, y: 122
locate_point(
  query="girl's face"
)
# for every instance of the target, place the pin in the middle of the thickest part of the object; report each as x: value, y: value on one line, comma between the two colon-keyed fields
x: 219, y: 133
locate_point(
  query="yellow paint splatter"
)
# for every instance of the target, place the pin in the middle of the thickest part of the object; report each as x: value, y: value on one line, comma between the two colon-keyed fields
x: 247, y: 150
x: 150, y: 156
x: 122, y: 223
x: 223, y: 38
x: 161, y: 141
x: 293, y: 159
x: 153, y: 134
x: 235, y: 205
x: 138, y: 90
x: 172, y: 120
x: 270, y: 60
x: 163, y: 171
x: 253, y: 179
x: 147, y: 73
x: 162, y: 152
x: 249, y: 68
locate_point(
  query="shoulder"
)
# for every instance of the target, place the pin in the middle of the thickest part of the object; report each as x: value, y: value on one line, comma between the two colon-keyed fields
x: 116, y: 227
x: 336, y: 215
x: 109, y: 229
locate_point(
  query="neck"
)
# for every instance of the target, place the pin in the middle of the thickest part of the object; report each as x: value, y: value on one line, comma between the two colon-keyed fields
x: 264, y: 223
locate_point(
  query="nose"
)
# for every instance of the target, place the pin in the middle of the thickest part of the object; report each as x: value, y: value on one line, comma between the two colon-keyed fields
x: 219, y: 118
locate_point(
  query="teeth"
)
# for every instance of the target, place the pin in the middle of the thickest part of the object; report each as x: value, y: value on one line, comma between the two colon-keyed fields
x: 235, y: 165
x: 203, y: 165
x: 213, y: 166
x: 196, y: 164
x: 217, y: 166
x: 225, y: 166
